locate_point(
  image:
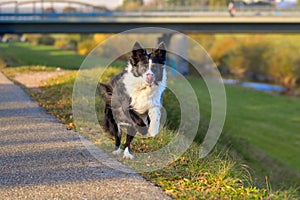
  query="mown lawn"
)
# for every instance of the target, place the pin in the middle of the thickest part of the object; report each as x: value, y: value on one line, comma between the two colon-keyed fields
x: 256, y: 123
x: 263, y: 128
x: 270, y: 122
x: 21, y: 54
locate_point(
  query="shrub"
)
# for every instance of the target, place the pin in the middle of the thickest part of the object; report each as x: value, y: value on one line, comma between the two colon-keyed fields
x: 46, y: 40
x: 98, y: 38
x: 65, y: 43
x: 86, y: 46
x: 33, y: 38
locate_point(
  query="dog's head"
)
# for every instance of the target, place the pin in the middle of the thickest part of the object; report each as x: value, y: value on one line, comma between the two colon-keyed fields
x: 149, y: 66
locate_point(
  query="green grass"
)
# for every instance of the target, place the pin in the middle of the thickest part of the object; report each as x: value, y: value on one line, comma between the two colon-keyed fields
x: 20, y: 54
x: 263, y: 128
x: 252, y: 120
x: 25, y: 54
x: 270, y: 122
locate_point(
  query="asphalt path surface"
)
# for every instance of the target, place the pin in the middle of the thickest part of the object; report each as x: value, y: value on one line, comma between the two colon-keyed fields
x: 41, y: 159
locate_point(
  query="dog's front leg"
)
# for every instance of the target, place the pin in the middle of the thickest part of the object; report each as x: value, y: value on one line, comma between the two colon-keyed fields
x: 154, y: 115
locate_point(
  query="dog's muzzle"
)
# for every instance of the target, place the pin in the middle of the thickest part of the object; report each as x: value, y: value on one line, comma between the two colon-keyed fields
x: 149, y: 78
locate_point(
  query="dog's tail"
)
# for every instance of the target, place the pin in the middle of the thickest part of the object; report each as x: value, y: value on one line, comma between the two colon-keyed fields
x: 108, y: 124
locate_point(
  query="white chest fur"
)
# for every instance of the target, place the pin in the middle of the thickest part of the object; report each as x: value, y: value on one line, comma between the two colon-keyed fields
x: 144, y: 97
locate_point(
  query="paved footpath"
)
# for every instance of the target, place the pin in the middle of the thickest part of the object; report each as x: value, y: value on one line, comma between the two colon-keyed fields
x: 40, y: 159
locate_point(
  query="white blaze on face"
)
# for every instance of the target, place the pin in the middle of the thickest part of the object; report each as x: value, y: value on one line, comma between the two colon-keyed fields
x: 149, y: 73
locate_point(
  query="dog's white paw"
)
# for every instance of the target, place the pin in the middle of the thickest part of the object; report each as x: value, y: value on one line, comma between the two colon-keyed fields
x: 149, y: 135
x: 152, y: 133
x: 127, y: 154
x: 117, y: 152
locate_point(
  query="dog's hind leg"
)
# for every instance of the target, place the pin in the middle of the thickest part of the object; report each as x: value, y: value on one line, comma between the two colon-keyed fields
x: 118, y: 137
x: 130, y: 135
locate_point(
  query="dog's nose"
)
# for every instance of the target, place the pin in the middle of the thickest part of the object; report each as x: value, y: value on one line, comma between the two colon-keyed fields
x: 149, y: 78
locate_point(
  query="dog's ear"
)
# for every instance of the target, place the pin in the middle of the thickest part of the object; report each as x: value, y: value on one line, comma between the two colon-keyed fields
x: 137, y: 53
x: 160, y: 53
x: 137, y: 46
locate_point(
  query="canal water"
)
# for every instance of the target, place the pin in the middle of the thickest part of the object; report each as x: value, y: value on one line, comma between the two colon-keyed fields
x: 256, y: 86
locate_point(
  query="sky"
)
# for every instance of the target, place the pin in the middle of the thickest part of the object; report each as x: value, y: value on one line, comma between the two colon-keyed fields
x: 111, y: 4
x: 108, y: 3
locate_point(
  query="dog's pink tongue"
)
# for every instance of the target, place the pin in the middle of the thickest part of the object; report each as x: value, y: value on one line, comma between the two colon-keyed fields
x: 149, y: 78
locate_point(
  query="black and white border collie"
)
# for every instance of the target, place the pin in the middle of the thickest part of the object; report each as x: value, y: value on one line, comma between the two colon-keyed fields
x: 133, y: 98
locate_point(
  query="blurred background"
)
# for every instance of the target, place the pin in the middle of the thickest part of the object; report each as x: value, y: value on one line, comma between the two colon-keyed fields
x: 255, y: 45
x: 209, y: 7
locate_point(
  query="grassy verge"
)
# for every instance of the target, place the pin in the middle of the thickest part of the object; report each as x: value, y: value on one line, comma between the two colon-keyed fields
x: 218, y: 176
x: 20, y: 54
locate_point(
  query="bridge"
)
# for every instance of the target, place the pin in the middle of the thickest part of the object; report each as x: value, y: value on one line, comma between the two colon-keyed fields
x: 113, y: 24
x: 40, y: 6
x: 97, y: 19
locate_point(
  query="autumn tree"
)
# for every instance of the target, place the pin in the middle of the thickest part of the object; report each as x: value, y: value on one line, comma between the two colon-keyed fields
x: 49, y: 10
x: 129, y: 5
x: 69, y: 9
